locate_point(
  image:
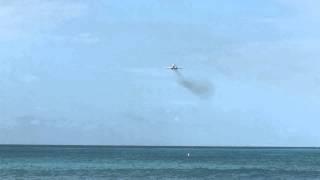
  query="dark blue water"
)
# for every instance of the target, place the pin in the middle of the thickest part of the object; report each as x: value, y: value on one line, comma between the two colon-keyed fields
x: 101, y: 162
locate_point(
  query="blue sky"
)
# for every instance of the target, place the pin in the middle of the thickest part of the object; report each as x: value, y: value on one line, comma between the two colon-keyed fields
x: 93, y: 72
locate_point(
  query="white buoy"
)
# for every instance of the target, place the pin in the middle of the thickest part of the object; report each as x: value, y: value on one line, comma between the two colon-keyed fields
x: 188, y: 154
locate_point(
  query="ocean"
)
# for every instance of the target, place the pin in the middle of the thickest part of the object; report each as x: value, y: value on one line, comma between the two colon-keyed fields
x: 125, y: 162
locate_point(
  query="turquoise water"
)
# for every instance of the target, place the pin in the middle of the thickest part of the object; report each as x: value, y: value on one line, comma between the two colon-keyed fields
x: 111, y: 162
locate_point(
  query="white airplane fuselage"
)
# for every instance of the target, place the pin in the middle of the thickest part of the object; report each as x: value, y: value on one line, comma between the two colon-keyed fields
x: 173, y: 67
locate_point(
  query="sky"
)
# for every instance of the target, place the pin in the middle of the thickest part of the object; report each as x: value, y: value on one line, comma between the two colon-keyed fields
x: 94, y: 72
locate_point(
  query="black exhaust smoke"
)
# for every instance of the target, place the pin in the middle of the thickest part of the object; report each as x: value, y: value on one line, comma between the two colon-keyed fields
x: 201, y: 89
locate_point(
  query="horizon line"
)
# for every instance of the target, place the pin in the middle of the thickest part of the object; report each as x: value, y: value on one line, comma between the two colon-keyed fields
x: 164, y: 146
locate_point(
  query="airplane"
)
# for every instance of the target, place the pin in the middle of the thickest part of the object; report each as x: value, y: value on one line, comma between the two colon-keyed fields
x: 173, y: 67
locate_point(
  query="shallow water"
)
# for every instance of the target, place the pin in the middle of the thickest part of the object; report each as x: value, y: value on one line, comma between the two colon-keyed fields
x: 114, y: 162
